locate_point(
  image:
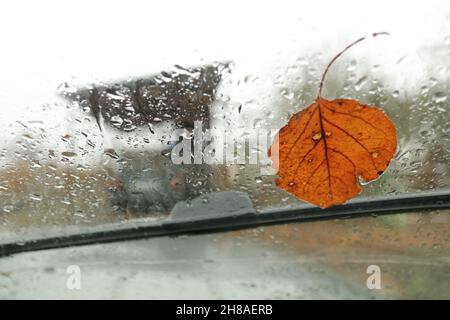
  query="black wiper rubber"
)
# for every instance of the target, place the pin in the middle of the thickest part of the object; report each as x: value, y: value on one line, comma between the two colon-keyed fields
x: 173, y: 227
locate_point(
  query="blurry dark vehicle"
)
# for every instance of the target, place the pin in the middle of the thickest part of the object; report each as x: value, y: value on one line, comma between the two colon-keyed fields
x: 149, y: 182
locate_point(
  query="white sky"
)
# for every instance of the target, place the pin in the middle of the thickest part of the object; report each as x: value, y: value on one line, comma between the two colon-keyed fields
x: 45, y: 43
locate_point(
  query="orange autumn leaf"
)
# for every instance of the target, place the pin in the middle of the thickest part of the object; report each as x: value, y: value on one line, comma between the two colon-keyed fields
x: 325, y: 148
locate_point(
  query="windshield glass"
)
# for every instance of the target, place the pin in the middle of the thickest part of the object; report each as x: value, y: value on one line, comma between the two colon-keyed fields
x: 318, y: 260
x: 93, y: 103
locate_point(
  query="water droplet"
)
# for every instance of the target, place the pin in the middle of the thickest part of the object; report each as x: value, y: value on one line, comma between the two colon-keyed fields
x: 68, y: 154
x: 35, y: 197
x: 439, y: 97
x: 317, y: 136
x: 289, y: 95
x: 424, y: 90
x: 424, y: 133
x: 111, y: 153
x: 8, y: 208
x: 117, y: 96
x: 67, y: 89
x: 375, y: 67
x: 257, y: 123
x: 116, y: 121
x: 360, y: 83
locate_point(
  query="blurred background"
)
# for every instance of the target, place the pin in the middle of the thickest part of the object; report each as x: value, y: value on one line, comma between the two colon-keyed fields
x: 71, y: 157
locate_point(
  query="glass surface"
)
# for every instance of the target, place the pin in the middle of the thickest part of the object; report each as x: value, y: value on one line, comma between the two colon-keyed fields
x: 325, y: 259
x: 89, y: 101
x: 91, y: 95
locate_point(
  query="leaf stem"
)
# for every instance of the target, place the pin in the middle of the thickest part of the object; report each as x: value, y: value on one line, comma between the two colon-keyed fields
x: 339, y: 54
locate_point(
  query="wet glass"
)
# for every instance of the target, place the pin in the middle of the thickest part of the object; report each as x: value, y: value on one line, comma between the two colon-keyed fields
x: 319, y: 260
x: 90, y: 102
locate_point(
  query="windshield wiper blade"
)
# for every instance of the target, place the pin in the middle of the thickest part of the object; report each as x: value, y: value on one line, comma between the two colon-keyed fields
x: 220, y: 222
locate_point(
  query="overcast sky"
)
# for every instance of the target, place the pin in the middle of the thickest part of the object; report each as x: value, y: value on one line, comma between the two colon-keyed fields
x: 46, y: 43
